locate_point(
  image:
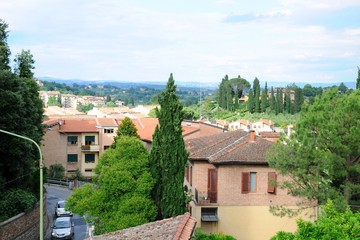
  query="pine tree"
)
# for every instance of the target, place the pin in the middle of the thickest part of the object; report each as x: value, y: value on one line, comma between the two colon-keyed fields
x: 168, y: 156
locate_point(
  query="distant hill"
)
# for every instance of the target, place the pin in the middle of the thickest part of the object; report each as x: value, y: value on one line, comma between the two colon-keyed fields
x: 190, y: 85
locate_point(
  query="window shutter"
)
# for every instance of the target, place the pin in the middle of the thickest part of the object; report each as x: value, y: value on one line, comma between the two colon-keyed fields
x: 271, y: 182
x: 245, y: 182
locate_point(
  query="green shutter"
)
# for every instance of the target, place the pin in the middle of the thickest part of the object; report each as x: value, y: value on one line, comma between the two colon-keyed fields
x: 89, y: 138
x: 72, y: 158
x: 89, y: 158
x: 72, y: 138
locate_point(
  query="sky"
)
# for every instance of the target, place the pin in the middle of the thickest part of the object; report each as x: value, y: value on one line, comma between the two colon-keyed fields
x: 196, y: 40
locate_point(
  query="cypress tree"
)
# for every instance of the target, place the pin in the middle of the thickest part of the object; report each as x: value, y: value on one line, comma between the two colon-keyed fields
x: 256, y: 88
x: 358, y: 80
x: 251, y: 101
x: 4, y: 48
x: 264, y: 98
x: 272, y: 99
x: 168, y: 156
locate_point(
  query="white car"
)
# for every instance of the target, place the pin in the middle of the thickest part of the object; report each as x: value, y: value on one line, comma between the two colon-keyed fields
x: 63, y: 228
x: 60, y: 209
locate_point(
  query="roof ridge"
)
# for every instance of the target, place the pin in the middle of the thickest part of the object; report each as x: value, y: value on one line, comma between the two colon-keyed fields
x: 181, y: 226
x: 228, y: 146
x: 210, y: 146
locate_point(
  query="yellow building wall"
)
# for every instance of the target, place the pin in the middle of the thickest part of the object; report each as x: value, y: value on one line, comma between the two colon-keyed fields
x: 248, y: 222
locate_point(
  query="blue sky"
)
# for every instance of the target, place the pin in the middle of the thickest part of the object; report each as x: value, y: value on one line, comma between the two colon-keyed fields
x: 198, y: 40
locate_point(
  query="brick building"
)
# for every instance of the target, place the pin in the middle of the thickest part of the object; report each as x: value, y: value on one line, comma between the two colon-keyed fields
x: 230, y: 182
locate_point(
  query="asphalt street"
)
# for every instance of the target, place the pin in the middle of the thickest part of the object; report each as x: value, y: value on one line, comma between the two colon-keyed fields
x: 55, y: 194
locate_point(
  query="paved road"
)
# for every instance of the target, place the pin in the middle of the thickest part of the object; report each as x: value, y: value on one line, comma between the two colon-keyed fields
x: 54, y: 194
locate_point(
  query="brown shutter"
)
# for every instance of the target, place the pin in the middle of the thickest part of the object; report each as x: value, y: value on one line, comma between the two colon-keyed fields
x: 271, y: 182
x: 187, y: 173
x: 191, y: 175
x: 212, y: 185
x: 245, y: 182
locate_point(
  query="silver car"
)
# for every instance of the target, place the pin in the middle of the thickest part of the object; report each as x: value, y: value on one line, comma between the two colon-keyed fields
x: 63, y: 228
x: 60, y: 209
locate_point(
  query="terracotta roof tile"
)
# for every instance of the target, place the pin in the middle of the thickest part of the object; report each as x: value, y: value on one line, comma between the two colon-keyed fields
x: 229, y: 147
x: 106, y: 122
x: 176, y: 228
x: 78, y: 125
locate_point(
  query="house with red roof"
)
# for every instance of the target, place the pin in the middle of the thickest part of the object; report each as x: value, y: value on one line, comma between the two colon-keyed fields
x: 231, y: 186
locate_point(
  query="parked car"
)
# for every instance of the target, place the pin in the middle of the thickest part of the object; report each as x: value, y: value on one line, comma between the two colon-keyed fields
x: 60, y: 209
x: 63, y: 228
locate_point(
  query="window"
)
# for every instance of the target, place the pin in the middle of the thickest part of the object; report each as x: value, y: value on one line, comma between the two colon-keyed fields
x: 271, y: 183
x: 88, y: 169
x: 209, y: 215
x: 249, y: 182
x: 89, y: 158
x: 108, y: 130
x: 72, y: 140
x: 89, y: 140
x: 72, y: 158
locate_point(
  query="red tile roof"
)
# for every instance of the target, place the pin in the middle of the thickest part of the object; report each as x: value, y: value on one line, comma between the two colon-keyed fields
x: 78, y: 125
x: 106, y: 122
x: 176, y: 228
x: 230, y: 147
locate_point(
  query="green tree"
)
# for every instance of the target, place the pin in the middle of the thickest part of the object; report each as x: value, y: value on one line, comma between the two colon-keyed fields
x: 56, y: 171
x: 322, y: 157
x: 52, y: 101
x: 121, y: 196
x: 256, y: 89
x: 21, y: 113
x: 125, y: 128
x: 272, y: 100
x: 237, y: 86
x: 331, y: 224
x: 24, y: 64
x: 358, y: 80
x: 168, y: 156
x: 251, y: 103
x: 4, y: 48
x: 264, y: 98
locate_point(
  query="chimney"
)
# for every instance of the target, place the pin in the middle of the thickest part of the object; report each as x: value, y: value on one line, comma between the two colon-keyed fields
x: 252, y: 136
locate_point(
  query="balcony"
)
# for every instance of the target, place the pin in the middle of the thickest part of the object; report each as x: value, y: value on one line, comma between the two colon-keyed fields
x: 90, y: 148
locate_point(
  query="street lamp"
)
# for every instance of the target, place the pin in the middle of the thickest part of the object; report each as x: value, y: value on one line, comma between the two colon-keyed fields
x: 41, y: 180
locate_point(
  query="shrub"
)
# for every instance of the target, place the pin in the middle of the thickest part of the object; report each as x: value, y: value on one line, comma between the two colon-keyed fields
x: 56, y: 171
x: 15, y: 201
x: 201, y: 235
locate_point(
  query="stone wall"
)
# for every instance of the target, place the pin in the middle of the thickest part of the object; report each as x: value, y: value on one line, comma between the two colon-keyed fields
x: 24, y: 226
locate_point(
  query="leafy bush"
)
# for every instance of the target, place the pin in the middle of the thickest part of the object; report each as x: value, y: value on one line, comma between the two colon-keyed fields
x: 332, y: 224
x: 201, y: 235
x: 15, y: 201
x: 56, y: 171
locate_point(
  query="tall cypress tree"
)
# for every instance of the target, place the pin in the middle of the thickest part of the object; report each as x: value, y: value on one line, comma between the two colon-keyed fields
x: 168, y: 156
x: 272, y: 99
x: 256, y: 88
x: 264, y: 98
x: 358, y: 80
x: 4, y: 48
x: 251, y: 101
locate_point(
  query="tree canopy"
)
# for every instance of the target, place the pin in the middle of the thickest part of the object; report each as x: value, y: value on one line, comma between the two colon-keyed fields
x: 331, y: 224
x: 125, y: 128
x: 322, y: 157
x: 121, y: 196
x: 168, y: 156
